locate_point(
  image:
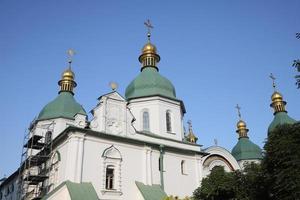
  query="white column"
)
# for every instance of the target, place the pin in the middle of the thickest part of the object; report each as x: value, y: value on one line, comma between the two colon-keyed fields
x: 149, y: 164
x: 199, y: 169
x: 74, y: 157
x: 71, y: 157
x: 145, y: 166
x: 80, y: 158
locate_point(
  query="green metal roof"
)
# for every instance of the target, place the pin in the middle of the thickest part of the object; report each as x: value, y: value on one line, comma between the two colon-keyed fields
x: 77, y: 191
x: 148, y: 83
x: 151, y: 192
x: 280, y: 118
x: 246, y: 150
x: 64, y: 105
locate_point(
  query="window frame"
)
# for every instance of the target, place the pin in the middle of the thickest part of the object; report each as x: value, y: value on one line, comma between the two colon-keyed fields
x: 145, y: 121
x: 169, y: 121
x: 110, y: 178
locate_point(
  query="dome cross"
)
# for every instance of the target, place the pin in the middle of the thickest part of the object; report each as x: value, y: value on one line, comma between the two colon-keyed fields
x: 239, y: 111
x: 149, y: 27
x: 273, y: 81
x: 70, y: 53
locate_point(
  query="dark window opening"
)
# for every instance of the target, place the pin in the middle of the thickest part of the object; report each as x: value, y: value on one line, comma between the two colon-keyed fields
x: 109, y: 184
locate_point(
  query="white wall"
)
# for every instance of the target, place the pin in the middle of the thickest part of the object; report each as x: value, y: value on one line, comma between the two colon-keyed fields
x: 157, y: 108
x: 139, y: 163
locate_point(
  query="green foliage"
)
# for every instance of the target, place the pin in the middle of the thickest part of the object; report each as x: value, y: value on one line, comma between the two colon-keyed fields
x: 217, y: 186
x: 250, y: 184
x: 277, y: 178
x: 296, y: 64
x: 282, y: 162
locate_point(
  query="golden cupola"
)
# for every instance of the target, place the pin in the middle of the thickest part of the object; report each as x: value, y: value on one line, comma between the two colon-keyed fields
x: 149, y: 56
x: 241, y: 125
x: 242, y: 129
x: 278, y: 104
x: 277, y: 100
x: 67, y: 82
x: 191, y: 137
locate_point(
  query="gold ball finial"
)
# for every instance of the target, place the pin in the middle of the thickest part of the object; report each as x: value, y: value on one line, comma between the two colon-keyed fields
x: 113, y: 86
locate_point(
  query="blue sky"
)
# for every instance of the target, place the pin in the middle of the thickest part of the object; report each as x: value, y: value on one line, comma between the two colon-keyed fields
x: 216, y: 53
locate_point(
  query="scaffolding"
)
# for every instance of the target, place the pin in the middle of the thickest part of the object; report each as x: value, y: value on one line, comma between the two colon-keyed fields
x: 35, y: 164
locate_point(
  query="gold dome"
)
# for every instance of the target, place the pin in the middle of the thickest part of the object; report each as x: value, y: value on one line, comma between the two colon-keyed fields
x: 149, y: 48
x: 149, y: 56
x: 68, y: 74
x: 241, y: 124
x: 67, y: 82
x: 242, y: 128
x: 277, y: 102
x: 276, y: 96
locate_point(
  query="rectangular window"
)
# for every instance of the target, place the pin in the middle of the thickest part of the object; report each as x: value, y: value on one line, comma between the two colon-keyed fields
x: 109, y: 184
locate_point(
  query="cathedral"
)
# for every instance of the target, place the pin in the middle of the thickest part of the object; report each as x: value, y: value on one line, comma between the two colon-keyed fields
x: 134, y: 147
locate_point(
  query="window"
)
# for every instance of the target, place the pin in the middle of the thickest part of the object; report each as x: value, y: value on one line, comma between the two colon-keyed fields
x: 48, y: 137
x: 112, y: 164
x: 168, y: 121
x: 159, y: 164
x: 146, y: 126
x: 109, y: 183
x: 183, y: 167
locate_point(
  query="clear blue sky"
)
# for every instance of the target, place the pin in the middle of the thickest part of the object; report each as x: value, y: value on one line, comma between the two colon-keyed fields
x: 216, y: 53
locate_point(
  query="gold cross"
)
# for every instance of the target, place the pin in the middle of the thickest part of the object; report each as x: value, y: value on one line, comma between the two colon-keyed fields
x: 239, y: 110
x: 273, y: 80
x: 149, y: 27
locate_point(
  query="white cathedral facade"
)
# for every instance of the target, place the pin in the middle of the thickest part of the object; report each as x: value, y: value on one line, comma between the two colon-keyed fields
x: 134, y: 147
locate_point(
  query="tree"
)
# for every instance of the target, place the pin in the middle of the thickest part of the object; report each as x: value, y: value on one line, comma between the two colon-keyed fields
x: 296, y: 64
x: 250, y: 184
x: 282, y: 162
x: 217, y: 186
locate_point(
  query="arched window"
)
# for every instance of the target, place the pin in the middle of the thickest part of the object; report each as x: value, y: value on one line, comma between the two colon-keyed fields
x: 112, y: 160
x: 183, y: 167
x: 109, y: 180
x: 146, y: 125
x: 168, y: 121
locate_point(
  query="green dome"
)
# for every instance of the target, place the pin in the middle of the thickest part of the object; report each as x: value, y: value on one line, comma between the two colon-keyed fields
x: 246, y: 150
x: 148, y: 83
x: 279, y: 119
x: 64, y: 105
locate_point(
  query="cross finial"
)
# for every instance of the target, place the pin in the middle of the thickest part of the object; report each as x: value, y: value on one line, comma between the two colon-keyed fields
x: 70, y: 53
x: 190, y: 124
x: 239, y: 110
x: 273, y: 81
x: 149, y: 27
x: 216, y: 142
